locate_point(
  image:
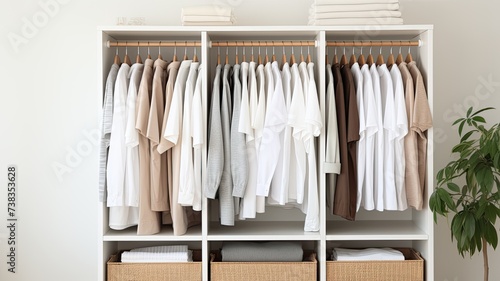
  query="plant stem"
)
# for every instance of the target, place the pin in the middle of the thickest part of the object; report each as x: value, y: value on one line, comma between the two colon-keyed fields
x: 485, y: 259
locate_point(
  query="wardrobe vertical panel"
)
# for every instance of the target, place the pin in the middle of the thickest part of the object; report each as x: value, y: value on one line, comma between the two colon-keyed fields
x: 205, y: 58
x: 321, y: 85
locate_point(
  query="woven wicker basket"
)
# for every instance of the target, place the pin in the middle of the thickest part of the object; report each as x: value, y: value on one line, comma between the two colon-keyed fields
x: 263, y: 271
x: 186, y: 271
x: 411, y: 269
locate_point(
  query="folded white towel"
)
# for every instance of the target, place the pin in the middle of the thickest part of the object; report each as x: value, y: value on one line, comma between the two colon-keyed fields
x: 149, y: 257
x: 353, y: 2
x: 207, y: 10
x: 357, y: 21
x: 371, y: 254
x: 208, y: 18
x: 163, y: 249
x: 354, y: 8
x: 365, y: 14
x: 204, y: 23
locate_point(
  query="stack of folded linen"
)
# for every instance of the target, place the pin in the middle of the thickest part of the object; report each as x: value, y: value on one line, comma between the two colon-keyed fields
x: 355, y: 12
x: 177, y: 253
x: 208, y: 15
x: 368, y: 254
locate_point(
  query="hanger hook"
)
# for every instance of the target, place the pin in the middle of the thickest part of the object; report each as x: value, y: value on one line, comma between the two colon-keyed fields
x: 117, y: 50
x: 236, y: 48
x: 409, y: 49
x: 194, y: 50
x: 218, y: 50
x: 308, y: 49
x: 126, y: 48
x: 243, y: 50
x: 292, y: 51
x: 370, y: 50
x: 273, y: 49
x: 159, y: 48
x: 335, y: 50
x: 185, y: 48
x: 137, y: 47
x: 175, y: 48
x: 301, y: 49
x: 391, y: 50
x: 361, y: 51
x: 353, y: 50
x: 148, y: 48
x: 380, y: 50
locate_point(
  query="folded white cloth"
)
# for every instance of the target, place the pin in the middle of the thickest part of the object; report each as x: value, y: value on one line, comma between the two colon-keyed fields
x: 364, y: 14
x: 353, y: 8
x: 353, y: 2
x: 262, y: 251
x: 357, y: 21
x: 163, y: 249
x: 173, y: 253
x: 205, y: 23
x: 143, y: 257
x: 368, y: 254
x: 207, y: 10
x: 208, y: 18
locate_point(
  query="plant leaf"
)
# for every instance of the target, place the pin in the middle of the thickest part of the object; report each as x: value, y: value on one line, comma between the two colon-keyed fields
x: 469, y: 111
x: 460, y: 128
x: 479, y: 119
x: 467, y: 135
x: 490, y: 234
x: 481, y: 110
x: 470, y: 225
x: 458, y: 121
x: 453, y: 187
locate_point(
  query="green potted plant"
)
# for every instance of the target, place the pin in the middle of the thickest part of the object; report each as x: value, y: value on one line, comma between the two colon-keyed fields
x: 468, y: 187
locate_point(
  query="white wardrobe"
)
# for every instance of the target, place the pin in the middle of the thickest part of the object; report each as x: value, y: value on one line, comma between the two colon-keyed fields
x: 410, y: 228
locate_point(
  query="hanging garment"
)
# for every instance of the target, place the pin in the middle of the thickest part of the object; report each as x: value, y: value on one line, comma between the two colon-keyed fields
x: 149, y: 221
x: 132, y: 138
x: 198, y: 133
x: 370, y: 108
x: 361, y: 144
x: 279, y: 184
x: 332, y: 165
x: 247, y: 114
x: 298, y: 152
x: 422, y: 121
x: 304, y: 78
x: 106, y: 123
x: 226, y: 201
x: 412, y: 180
x: 239, y: 161
x: 158, y: 166
x: 346, y: 190
x: 165, y: 146
x: 402, y: 130
x: 258, y: 126
x: 378, y: 183
x: 274, y: 124
x: 186, y: 169
x: 215, y: 157
x: 173, y: 134
x: 314, y: 126
x: 121, y: 213
x: 390, y: 134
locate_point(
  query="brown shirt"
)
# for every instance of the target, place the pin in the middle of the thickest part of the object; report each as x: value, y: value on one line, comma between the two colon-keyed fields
x: 412, y: 180
x: 149, y: 221
x: 422, y: 121
x: 348, y: 127
x: 159, y: 188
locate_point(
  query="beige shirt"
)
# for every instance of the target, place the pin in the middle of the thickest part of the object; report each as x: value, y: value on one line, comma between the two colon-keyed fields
x: 159, y: 188
x: 149, y: 221
x: 421, y: 121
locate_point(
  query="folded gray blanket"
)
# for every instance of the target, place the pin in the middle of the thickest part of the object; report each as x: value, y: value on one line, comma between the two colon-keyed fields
x: 262, y: 251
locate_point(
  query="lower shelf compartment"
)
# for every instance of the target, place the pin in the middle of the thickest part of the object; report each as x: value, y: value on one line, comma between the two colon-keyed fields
x: 263, y: 271
x: 411, y: 269
x: 188, y: 271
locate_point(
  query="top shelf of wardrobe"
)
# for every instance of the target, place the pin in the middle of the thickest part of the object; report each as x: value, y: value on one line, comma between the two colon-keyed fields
x: 380, y: 32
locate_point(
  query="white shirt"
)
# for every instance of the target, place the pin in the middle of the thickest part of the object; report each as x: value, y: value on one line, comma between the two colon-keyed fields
x: 121, y: 215
x: 378, y: 183
x: 390, y: 134
x: 132, y: 138
x: 370, y: 107
x: 117, y: 149
x: 258, y: 125
x: 274, y: 125
x: 298, y: 152
x: 332, y: 163
x: 186, y: 169
x: 198, y: 133
x: 279, y: 184
x: 248, y: 112
x: 402, y: 131
x: 314, y: 125
x: 361, y: 144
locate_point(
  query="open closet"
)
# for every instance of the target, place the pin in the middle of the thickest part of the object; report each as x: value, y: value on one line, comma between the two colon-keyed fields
x: 285, y: 218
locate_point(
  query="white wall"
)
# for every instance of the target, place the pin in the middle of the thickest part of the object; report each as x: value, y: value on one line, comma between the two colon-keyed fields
x: 48, y: 112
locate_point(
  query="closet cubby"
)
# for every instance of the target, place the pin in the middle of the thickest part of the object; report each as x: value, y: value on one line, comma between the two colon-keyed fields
x: 410, y: 228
